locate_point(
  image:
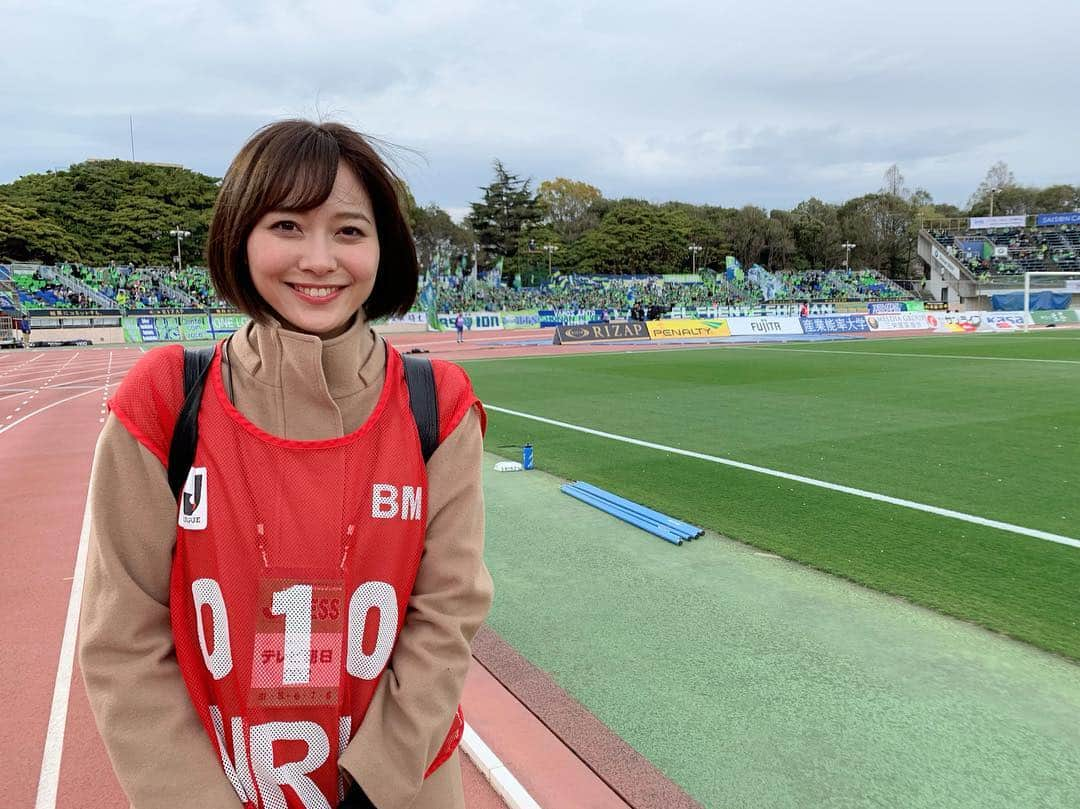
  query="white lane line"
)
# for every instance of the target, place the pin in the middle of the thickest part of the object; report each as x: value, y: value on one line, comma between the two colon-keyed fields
x: 49, y: 778
x: 21, y: 364
x: 17, y: 422
x: 822, y: 484
x: 898, y: 354
x: 492, y: 768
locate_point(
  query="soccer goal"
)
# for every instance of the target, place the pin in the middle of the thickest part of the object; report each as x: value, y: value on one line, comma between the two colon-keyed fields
x: 1057, y: 282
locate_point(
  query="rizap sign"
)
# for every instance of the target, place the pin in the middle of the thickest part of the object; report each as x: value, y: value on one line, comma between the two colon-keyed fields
x: 687, y: 329
x: 600, y: 332
x: 764, y: 326
x: 898, y: 321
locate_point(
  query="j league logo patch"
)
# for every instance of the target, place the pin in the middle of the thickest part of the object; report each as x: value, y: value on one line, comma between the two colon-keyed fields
x: 193, y: 501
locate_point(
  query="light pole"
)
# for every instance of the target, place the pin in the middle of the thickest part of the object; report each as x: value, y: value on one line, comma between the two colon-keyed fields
x: 992, y: 192
x: 179, y: 234
x: 848, y: 247
x: 549, y: 249
x: 694, y: 250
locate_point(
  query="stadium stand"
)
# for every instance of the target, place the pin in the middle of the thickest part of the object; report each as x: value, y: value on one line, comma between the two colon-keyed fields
x: 131, y: 288
x: 1013, y: 251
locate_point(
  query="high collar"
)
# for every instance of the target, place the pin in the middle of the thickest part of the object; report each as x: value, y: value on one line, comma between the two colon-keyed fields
x: 341, y: 366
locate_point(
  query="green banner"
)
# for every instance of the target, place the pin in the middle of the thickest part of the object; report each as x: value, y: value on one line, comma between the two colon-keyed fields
x: 914, y: 306
x: 179, y: 328
x: 1047, y: 316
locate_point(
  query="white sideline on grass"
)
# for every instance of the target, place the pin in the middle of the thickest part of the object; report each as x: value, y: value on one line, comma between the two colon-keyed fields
x: 822, y: 484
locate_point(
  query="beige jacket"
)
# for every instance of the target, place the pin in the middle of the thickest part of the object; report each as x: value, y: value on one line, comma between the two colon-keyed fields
x: 294, y: 386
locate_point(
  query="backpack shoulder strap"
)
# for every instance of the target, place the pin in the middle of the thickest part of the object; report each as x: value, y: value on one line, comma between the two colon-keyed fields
x: 420, y: 379
x: 186, y: 432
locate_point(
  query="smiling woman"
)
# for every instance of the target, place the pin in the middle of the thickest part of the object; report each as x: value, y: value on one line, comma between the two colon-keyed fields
x: 313, y: 207
x: 316, y: 268
x: 312, y: 593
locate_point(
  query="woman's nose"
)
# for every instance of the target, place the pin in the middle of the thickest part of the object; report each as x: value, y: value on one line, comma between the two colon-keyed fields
x: 317, y: 256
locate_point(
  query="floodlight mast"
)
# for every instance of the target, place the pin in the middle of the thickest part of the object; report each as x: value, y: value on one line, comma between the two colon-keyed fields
x: 549, y: 249
x: 848, y: 247
x: 179, y: 234
x: 694, y: 250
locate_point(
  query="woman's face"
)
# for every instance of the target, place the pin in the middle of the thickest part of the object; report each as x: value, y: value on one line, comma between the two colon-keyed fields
x: 316, y: 268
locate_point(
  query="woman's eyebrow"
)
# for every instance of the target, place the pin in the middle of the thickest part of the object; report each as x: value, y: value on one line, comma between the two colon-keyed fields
x: 352, y: 215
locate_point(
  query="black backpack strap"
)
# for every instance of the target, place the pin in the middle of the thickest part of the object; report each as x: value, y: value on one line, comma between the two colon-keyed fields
x: 420, y: 379
x: 186, y: 432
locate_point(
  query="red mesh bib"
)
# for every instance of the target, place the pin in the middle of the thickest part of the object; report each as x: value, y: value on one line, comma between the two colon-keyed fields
x: 291, y: 579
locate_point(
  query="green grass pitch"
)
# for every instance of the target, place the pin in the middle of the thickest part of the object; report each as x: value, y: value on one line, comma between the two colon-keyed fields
x: 986, y: 425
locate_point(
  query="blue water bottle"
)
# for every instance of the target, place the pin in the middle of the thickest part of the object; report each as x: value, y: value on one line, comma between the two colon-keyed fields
x: 526, y: 457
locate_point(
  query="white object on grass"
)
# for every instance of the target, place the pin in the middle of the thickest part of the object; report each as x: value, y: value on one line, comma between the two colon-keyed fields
x: 508, y: 466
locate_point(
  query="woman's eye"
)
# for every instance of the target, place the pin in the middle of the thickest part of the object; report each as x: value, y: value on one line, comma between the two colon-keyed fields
x: 352, y: 232
x: 284, y: 225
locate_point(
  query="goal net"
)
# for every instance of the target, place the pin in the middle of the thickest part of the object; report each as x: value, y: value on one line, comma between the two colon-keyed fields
x: 1051, y: 298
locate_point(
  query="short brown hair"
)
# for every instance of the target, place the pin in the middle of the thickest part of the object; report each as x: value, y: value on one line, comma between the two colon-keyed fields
x: 291, y: 165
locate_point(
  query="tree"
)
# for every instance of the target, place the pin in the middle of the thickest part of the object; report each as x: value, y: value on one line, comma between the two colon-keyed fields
x: 749, y: 234
x: 26, y: 235
x: 885, y: 231
x: 569, y: 206
x: 709, y: 228
x: 999, y: 178
x: 508, y: 210
x: 779, y: 240
x: 817, y: 236
x: 894, y: 182
x: 634, y: 237
x: 116, y: 210
x: 436, y: 233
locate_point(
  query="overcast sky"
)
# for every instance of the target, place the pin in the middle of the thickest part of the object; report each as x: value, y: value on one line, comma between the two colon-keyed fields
x: 710, y: 102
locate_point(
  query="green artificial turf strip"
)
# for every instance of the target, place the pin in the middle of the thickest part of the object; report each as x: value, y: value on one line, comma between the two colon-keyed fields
x: 994, y: 439
x: 752, y: 681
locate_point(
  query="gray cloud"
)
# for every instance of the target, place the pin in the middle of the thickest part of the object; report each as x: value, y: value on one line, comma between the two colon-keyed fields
x: 732, y: 103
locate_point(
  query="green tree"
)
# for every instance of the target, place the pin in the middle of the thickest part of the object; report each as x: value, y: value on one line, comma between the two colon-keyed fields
x: 749, y: 234
x: 569, y: 206
x: 634, y: 237
x: 508, y: 211
x: 816, y: 233
x: 116, y: 210
x: 709, y: 229
x: 435, y: 232
x: 26, y: 235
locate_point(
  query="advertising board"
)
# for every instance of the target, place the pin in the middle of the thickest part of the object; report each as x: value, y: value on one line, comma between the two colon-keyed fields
x: 1050, y: 219
x: 600, y: 332
x: 687, y: 329
x: 898, y: 321
x: 759, y: 326
x: 474, y: 321
x: 967, y: 322
x: 986, y: 222
x: 838, y: 324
